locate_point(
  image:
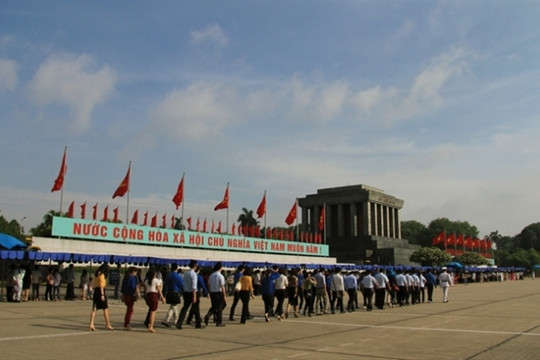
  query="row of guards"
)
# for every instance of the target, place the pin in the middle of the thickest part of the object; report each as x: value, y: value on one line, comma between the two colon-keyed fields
x: 458, y: 244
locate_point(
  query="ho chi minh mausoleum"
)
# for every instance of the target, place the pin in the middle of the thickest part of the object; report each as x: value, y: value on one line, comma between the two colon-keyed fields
x: 361, y: 224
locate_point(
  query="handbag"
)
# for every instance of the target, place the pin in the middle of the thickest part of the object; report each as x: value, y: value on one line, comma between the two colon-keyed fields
x: 172, y: 298
x: 238, y: 286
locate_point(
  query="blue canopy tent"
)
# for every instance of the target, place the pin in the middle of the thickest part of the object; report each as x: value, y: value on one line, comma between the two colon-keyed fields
x: 8, y: 242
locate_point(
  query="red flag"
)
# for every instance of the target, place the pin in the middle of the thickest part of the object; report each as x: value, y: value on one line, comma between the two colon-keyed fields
x: 476, y: 243
x: 224, y: 204
x: 135, y: 217
x: 153, y: 222
x: 240, y: 229
x: 164, y: 221
x: 115, y: 212
x: 94, y: 212
x: 218, y: 230
x: 460, y: 240
x: 268, y: 232
x: 123, y: 188
x: 468, y: 242
x: 173, y: 222
x: 189, y: 223
x: 258, y: 231
x: 179, y: 197
x: 451, y: 240
x: 233, y: 229
x: 321, y: 219
x: 204, y: 226
x: 105, y: 213
x: 70, y: 209
x: 261, y: 210
x: 198, y: 224
x: 292, y: 215
x: 145, y: 218
x: 83, y: 210
x: 439, y: 239
x: 59, y: 182
x: 212, y: 230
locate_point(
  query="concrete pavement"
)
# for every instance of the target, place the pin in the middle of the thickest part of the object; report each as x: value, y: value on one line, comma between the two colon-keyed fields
x: 481, y: 321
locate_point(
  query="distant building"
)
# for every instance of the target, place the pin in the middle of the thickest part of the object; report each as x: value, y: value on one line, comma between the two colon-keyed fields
x: 361, y: 224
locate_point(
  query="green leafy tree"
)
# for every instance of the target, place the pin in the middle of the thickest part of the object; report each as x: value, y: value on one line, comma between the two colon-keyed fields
x: 436, y: 226
x: 529, y: 237
x: 45, y: 227
x: 246, y: 218
x: 430, y: 256
x: 471, y: 258
x: 12, y: 228
x: 178, y: 224
x: 415, y: 232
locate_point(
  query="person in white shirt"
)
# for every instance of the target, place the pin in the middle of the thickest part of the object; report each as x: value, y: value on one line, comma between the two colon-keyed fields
x: 445, y: 280
x: 338, y: 289
x: 369, y: 284
x: 423, y: 282
x: 401, y: 282
x: 380, y: 292
x: 415, y: 294
x: 280, y: 289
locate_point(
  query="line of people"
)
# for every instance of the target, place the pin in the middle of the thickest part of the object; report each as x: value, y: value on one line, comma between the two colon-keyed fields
x: 308, y: 293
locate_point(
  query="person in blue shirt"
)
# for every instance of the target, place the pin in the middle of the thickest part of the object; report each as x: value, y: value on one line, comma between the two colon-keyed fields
x: 173, y: 288
x: 431, y: 282
x: 236, y: 299
x: 129, y: 293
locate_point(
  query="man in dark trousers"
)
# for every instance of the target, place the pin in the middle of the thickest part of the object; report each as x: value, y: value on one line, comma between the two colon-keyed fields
x: 190, y: 296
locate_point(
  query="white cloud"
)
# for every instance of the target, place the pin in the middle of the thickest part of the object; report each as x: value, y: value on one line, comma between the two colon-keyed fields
x: 211, y: 33
x: 73, y: 81
x: 207, y: 108
x: 201, y: 109
x: 8, y: 74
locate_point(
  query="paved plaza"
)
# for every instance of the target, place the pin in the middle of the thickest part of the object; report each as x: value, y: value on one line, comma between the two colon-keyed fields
x: 481, y: 321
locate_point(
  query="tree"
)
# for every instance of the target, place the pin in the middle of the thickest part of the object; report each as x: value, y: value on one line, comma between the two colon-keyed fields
x: 12, y: 228
x: 436, y: 226
x: 45, y: 228
x: 415, y: 232
x: 430, y: 256
x: 471, y: 258
x: 178, y: 223
x: 528, y: 237
x: 246, y: 218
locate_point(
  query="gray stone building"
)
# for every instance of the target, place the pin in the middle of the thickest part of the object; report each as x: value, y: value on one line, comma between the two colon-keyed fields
x: 361, y: 224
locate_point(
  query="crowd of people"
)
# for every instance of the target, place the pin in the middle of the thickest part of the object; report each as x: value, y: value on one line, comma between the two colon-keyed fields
x: 283, y: 291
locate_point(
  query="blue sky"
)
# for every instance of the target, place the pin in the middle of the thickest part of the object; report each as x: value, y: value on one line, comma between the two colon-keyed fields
x: 435, y: 102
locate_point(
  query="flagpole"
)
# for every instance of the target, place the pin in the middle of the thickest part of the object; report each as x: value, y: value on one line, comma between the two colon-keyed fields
x: 184, y: 185
x: 324, y: 222
x: 296, y: 210
x: 128, y: 192
x: 228, y: 194
x: 63, y: 181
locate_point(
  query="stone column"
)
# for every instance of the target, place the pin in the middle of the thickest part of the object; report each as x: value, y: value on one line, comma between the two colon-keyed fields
x: 315, y: 220
x: 328, y: 221
x: 367, y: 218
x: 398, y: 224
x: 340, y: 222
x: 305, y: 219
x: 353, y: 220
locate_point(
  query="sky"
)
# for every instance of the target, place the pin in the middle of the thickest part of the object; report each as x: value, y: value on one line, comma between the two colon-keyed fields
x: 435, y: 102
